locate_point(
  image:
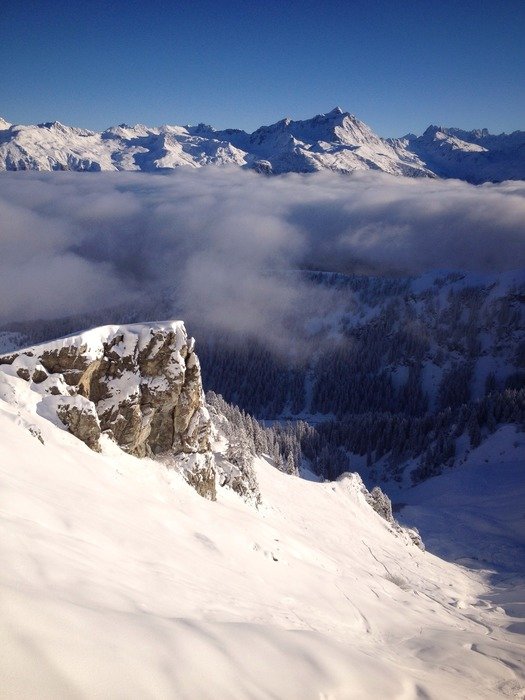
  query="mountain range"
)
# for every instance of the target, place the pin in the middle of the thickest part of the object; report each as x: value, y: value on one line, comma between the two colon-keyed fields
x: 336, y: 141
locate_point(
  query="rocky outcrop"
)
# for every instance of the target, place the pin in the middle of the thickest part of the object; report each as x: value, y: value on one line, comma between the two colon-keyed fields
x: 139, y: 384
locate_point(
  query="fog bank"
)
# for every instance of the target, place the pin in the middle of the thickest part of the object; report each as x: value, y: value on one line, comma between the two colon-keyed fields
x: 72, y: 242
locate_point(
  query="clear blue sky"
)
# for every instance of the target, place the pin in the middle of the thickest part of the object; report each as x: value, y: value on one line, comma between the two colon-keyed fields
x: 398, y: 65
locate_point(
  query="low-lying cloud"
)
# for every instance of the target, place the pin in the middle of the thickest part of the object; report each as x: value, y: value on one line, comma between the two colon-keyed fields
x: 72, y: 242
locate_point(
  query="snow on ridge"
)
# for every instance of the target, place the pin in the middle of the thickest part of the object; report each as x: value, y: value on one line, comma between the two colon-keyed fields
x: 94, y: 338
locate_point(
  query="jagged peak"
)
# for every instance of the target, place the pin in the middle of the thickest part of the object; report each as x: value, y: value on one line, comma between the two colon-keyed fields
x: 462, y: 133
x: 331, y: 120
x: 4, y: 124
x: 432, y: 130
x: 338, y: 114
x: 125, y: 130
x: 455, y: 131
x: 406, y: 137
x: 52, y: 125
x: 335, y: 114
x: 49, y: 125
x: 57, y: 126
x: 201, y: 128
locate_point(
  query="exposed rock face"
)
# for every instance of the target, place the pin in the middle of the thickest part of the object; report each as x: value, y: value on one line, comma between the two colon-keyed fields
x: 141, y: 384
x: 81, y: 420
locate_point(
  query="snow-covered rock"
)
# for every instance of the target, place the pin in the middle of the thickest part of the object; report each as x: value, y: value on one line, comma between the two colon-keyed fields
x: 139, y: 384
x: 233, y: 457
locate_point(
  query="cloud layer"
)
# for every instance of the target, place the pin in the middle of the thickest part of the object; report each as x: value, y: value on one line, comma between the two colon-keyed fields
x: 72, y: 242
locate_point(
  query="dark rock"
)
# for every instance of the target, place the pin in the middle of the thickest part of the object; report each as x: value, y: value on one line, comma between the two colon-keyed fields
x: 39, y: 376
x: 82, y: 422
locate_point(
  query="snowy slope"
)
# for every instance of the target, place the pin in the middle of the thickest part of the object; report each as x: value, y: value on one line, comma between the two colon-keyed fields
x: 474, y: 513
x: 118, y: 580
x: 335, y: 141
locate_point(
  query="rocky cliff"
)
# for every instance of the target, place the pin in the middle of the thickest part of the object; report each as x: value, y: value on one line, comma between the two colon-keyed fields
x: 138, y: 384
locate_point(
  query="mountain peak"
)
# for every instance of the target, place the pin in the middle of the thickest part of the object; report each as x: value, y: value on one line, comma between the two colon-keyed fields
x: 52, y: 125
x: 432, y: 130
x: 59, y: 128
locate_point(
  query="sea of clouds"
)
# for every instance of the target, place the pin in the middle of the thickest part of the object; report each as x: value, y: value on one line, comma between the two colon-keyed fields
x: 74, y: 242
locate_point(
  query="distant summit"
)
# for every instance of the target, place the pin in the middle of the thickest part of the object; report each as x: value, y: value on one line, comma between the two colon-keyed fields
x: 476, y: 156
x: 336, y: 141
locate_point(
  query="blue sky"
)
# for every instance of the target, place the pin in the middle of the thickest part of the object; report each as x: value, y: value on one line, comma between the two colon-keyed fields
x: 397, y: 65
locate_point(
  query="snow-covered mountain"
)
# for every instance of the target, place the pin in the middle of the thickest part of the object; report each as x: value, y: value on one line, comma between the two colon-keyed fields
x: 119, y: 580
x: 475, y: 156
x: 335, y: 141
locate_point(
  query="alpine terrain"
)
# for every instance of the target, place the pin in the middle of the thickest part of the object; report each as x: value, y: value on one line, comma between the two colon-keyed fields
x: 320, y: 497
x: 149, y: 542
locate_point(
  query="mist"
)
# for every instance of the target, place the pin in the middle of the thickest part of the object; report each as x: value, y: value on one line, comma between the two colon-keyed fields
x: 219, y: 238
